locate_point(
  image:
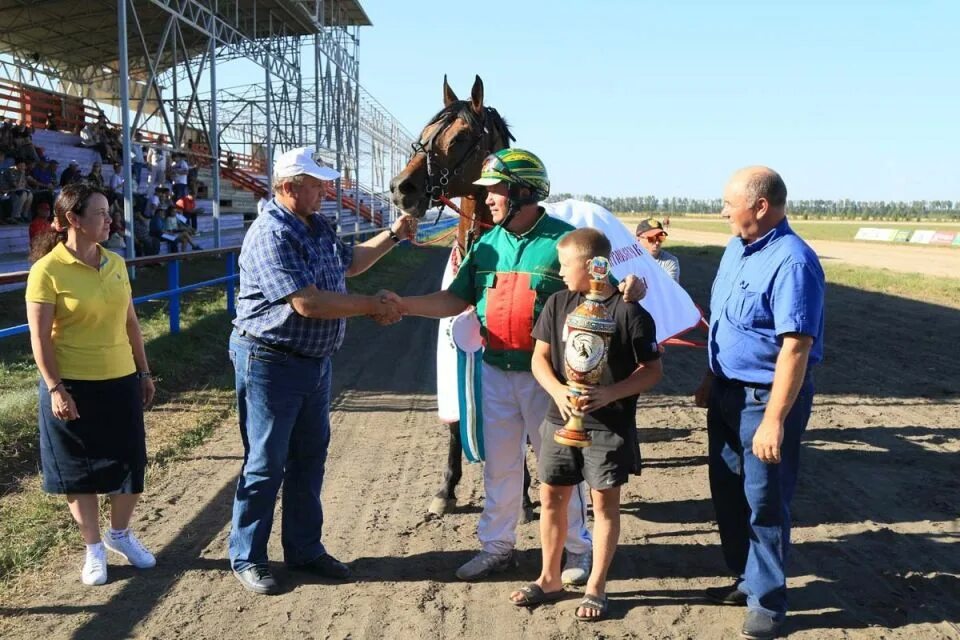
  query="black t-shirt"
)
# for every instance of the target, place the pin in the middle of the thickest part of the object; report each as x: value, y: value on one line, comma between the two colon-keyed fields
x: 634, y: 341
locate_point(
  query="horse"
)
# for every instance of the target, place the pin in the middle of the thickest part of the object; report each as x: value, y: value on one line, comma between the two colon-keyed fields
x: 446, y: 160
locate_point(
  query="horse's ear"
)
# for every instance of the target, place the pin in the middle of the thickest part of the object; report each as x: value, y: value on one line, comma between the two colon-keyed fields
x: 449, y: 97
x: 476, y: 95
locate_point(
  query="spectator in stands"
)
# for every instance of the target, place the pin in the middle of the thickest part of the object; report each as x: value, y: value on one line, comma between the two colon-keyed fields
x: 650, y: 235
x: 40, y: 224
x: 95, y: 177
x: 188, y: 206
x: 94, y: 378
x: 118, y: 227
x: 145, y: 243
x: 157, y: 161
x: 6, y: 138
x: 50, y: 122
x: 180, y: 170
x: 13, y: 185
x: 43, y: 182
x: 157, y: 225
x: 88, y: 135
x: 23, y: 143
x: 231, y: 160
x: 116, y: 183
x: 6, y: 161
x: 172, y: 226
x: 137, y: 160
x: 71, y: 174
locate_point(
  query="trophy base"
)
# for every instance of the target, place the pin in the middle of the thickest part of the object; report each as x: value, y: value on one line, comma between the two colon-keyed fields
x: 572, y: 437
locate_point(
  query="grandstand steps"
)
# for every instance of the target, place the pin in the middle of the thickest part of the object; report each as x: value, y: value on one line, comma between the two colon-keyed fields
x: 232, y: 230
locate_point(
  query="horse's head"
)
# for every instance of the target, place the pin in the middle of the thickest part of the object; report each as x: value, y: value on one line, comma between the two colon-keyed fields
x: 447, y: 157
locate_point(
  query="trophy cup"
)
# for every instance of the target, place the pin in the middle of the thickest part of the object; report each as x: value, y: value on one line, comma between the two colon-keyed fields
x: 589, y: 328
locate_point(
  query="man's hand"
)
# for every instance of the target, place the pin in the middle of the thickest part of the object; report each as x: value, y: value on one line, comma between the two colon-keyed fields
x: 405, y: 227
x: 767, y: 441
x: 702, y: 395
x: 633, y: 288
x: 594, y: 397
x: 390, y: 308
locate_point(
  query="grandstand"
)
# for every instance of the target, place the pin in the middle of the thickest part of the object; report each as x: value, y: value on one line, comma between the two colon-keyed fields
x: 152, y: 65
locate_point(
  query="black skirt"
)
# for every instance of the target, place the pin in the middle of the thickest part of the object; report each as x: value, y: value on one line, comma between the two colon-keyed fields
x: 104, y: 450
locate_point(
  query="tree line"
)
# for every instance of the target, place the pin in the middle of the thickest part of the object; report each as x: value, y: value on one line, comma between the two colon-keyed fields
x: 853, y: 209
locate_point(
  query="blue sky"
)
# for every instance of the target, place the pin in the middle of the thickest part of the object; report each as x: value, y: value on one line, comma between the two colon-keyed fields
x: 846, y: 98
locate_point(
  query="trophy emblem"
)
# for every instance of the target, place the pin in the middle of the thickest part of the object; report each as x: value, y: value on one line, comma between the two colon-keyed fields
x: 589, y: 329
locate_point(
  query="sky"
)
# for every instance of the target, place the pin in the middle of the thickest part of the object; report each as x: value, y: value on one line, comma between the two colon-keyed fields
x: 845, y: 98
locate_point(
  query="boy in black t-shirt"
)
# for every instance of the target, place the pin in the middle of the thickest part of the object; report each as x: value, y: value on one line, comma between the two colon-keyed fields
x: 633, y: 366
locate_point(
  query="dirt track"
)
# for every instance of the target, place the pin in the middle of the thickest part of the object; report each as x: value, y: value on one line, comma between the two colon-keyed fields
x: 876, y: 513
x: 933, y: 261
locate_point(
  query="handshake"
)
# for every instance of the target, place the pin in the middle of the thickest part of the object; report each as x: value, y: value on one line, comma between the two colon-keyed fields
x: 388, y: 307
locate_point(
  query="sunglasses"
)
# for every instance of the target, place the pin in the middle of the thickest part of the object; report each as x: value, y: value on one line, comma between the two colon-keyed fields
x: 657, y: 238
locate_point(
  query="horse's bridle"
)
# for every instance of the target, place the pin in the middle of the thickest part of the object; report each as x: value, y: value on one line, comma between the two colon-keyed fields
x: 435, y: 183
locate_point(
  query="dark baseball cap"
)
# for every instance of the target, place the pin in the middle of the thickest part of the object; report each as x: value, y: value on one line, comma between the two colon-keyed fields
x: 650, y: 225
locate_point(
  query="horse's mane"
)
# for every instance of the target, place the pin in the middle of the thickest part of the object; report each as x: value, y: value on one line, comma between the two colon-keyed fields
x: 464, y: 109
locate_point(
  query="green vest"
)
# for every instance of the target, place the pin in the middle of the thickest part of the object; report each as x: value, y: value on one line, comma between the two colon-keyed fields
x: 508, y: 278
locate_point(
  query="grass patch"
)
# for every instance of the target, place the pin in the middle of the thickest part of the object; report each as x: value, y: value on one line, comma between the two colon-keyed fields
x: 195, y: 394
x: 924, y: 288
x: 812, y: 229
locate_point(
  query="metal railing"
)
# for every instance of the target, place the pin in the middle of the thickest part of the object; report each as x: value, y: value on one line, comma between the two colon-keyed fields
x: 174, y: 289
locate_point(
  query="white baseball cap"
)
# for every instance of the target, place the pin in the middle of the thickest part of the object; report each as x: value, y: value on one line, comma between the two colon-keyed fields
x: 300, y: 161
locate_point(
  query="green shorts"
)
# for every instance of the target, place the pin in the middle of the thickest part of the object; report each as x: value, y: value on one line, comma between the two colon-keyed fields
x: 605, y: 464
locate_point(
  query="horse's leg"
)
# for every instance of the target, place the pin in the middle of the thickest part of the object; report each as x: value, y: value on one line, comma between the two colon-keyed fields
x: 445, y: 499
x: 528, y: 515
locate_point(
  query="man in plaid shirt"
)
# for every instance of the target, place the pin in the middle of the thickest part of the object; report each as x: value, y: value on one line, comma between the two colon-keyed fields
x: 291, y: 319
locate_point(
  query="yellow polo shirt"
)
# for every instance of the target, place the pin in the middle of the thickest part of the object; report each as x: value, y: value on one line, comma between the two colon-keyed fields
x: 90, y: 315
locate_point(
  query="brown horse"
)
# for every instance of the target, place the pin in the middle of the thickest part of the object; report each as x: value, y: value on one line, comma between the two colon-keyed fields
x: 445, y: 162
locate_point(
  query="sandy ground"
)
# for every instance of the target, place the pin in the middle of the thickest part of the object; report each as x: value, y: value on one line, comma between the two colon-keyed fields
x: 933, y: 261
x: 876, y: 513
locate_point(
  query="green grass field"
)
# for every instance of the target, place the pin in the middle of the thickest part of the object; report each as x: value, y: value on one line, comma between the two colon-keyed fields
x: 809, y: 229
x: 194, y: 395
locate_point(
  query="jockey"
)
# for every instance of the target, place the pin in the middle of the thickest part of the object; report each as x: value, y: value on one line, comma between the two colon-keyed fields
x: 508, y: 276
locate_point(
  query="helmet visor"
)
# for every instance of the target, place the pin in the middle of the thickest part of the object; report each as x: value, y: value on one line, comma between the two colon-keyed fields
x: 493, y: 171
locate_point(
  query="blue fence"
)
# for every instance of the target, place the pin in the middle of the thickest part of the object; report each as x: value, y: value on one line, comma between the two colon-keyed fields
x: 173, y: 291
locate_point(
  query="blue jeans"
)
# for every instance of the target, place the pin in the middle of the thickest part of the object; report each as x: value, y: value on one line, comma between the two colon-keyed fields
x: 283, y: 401
x: 752, y: 498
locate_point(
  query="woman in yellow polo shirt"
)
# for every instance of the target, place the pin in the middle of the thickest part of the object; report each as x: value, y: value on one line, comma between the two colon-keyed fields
x: 94, y: 376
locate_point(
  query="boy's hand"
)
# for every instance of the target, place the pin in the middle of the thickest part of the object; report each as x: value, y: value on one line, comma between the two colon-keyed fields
x: 595, y: 397
x: 562, y: 400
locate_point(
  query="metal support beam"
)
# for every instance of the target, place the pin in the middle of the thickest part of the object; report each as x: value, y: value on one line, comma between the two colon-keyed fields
x: 125, y: 124
x: 214, y: 138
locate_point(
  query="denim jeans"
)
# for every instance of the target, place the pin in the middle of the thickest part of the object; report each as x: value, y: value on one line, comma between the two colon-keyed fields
x: 752, y: 498
x: 283, y: 401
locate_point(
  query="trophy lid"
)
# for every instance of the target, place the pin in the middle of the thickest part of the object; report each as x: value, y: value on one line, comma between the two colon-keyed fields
x: 599, y: 272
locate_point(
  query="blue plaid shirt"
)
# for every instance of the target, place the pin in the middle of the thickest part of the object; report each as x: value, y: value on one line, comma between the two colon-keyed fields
x: 281, y: 255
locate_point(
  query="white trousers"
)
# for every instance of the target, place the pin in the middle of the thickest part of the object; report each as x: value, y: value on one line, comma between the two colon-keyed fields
x: 514, y: 406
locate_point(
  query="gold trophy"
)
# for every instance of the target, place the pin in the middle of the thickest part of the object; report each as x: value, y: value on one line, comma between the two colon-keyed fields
x: 588, y: 328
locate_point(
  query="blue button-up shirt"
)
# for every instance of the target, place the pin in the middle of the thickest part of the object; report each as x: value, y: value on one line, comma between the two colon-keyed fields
x: 763, y: 290
x: 281, y: 255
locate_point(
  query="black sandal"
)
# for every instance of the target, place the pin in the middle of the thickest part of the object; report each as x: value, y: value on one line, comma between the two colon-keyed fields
x: 597, y: 603
x: 533, y: 595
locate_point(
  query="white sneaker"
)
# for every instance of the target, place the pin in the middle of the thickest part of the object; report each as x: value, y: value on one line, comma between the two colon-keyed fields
x: 576, y: 571
x: 486, y: 563
x: 130, y: 548
x: 94, y: 570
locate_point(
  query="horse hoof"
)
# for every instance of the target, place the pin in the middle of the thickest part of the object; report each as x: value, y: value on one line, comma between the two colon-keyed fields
x: 441, y: 506
x: 527, y: 514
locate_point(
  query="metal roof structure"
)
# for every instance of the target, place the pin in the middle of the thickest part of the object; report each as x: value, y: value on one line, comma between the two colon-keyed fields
x: 80, y: 38
x: 152, y: 59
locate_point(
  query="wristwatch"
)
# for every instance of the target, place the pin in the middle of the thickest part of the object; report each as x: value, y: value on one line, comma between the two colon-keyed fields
x: 394, y: 237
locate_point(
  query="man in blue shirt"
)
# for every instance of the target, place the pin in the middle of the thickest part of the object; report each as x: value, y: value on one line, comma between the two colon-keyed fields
x: 291, y: 319
x: 766, y: 333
